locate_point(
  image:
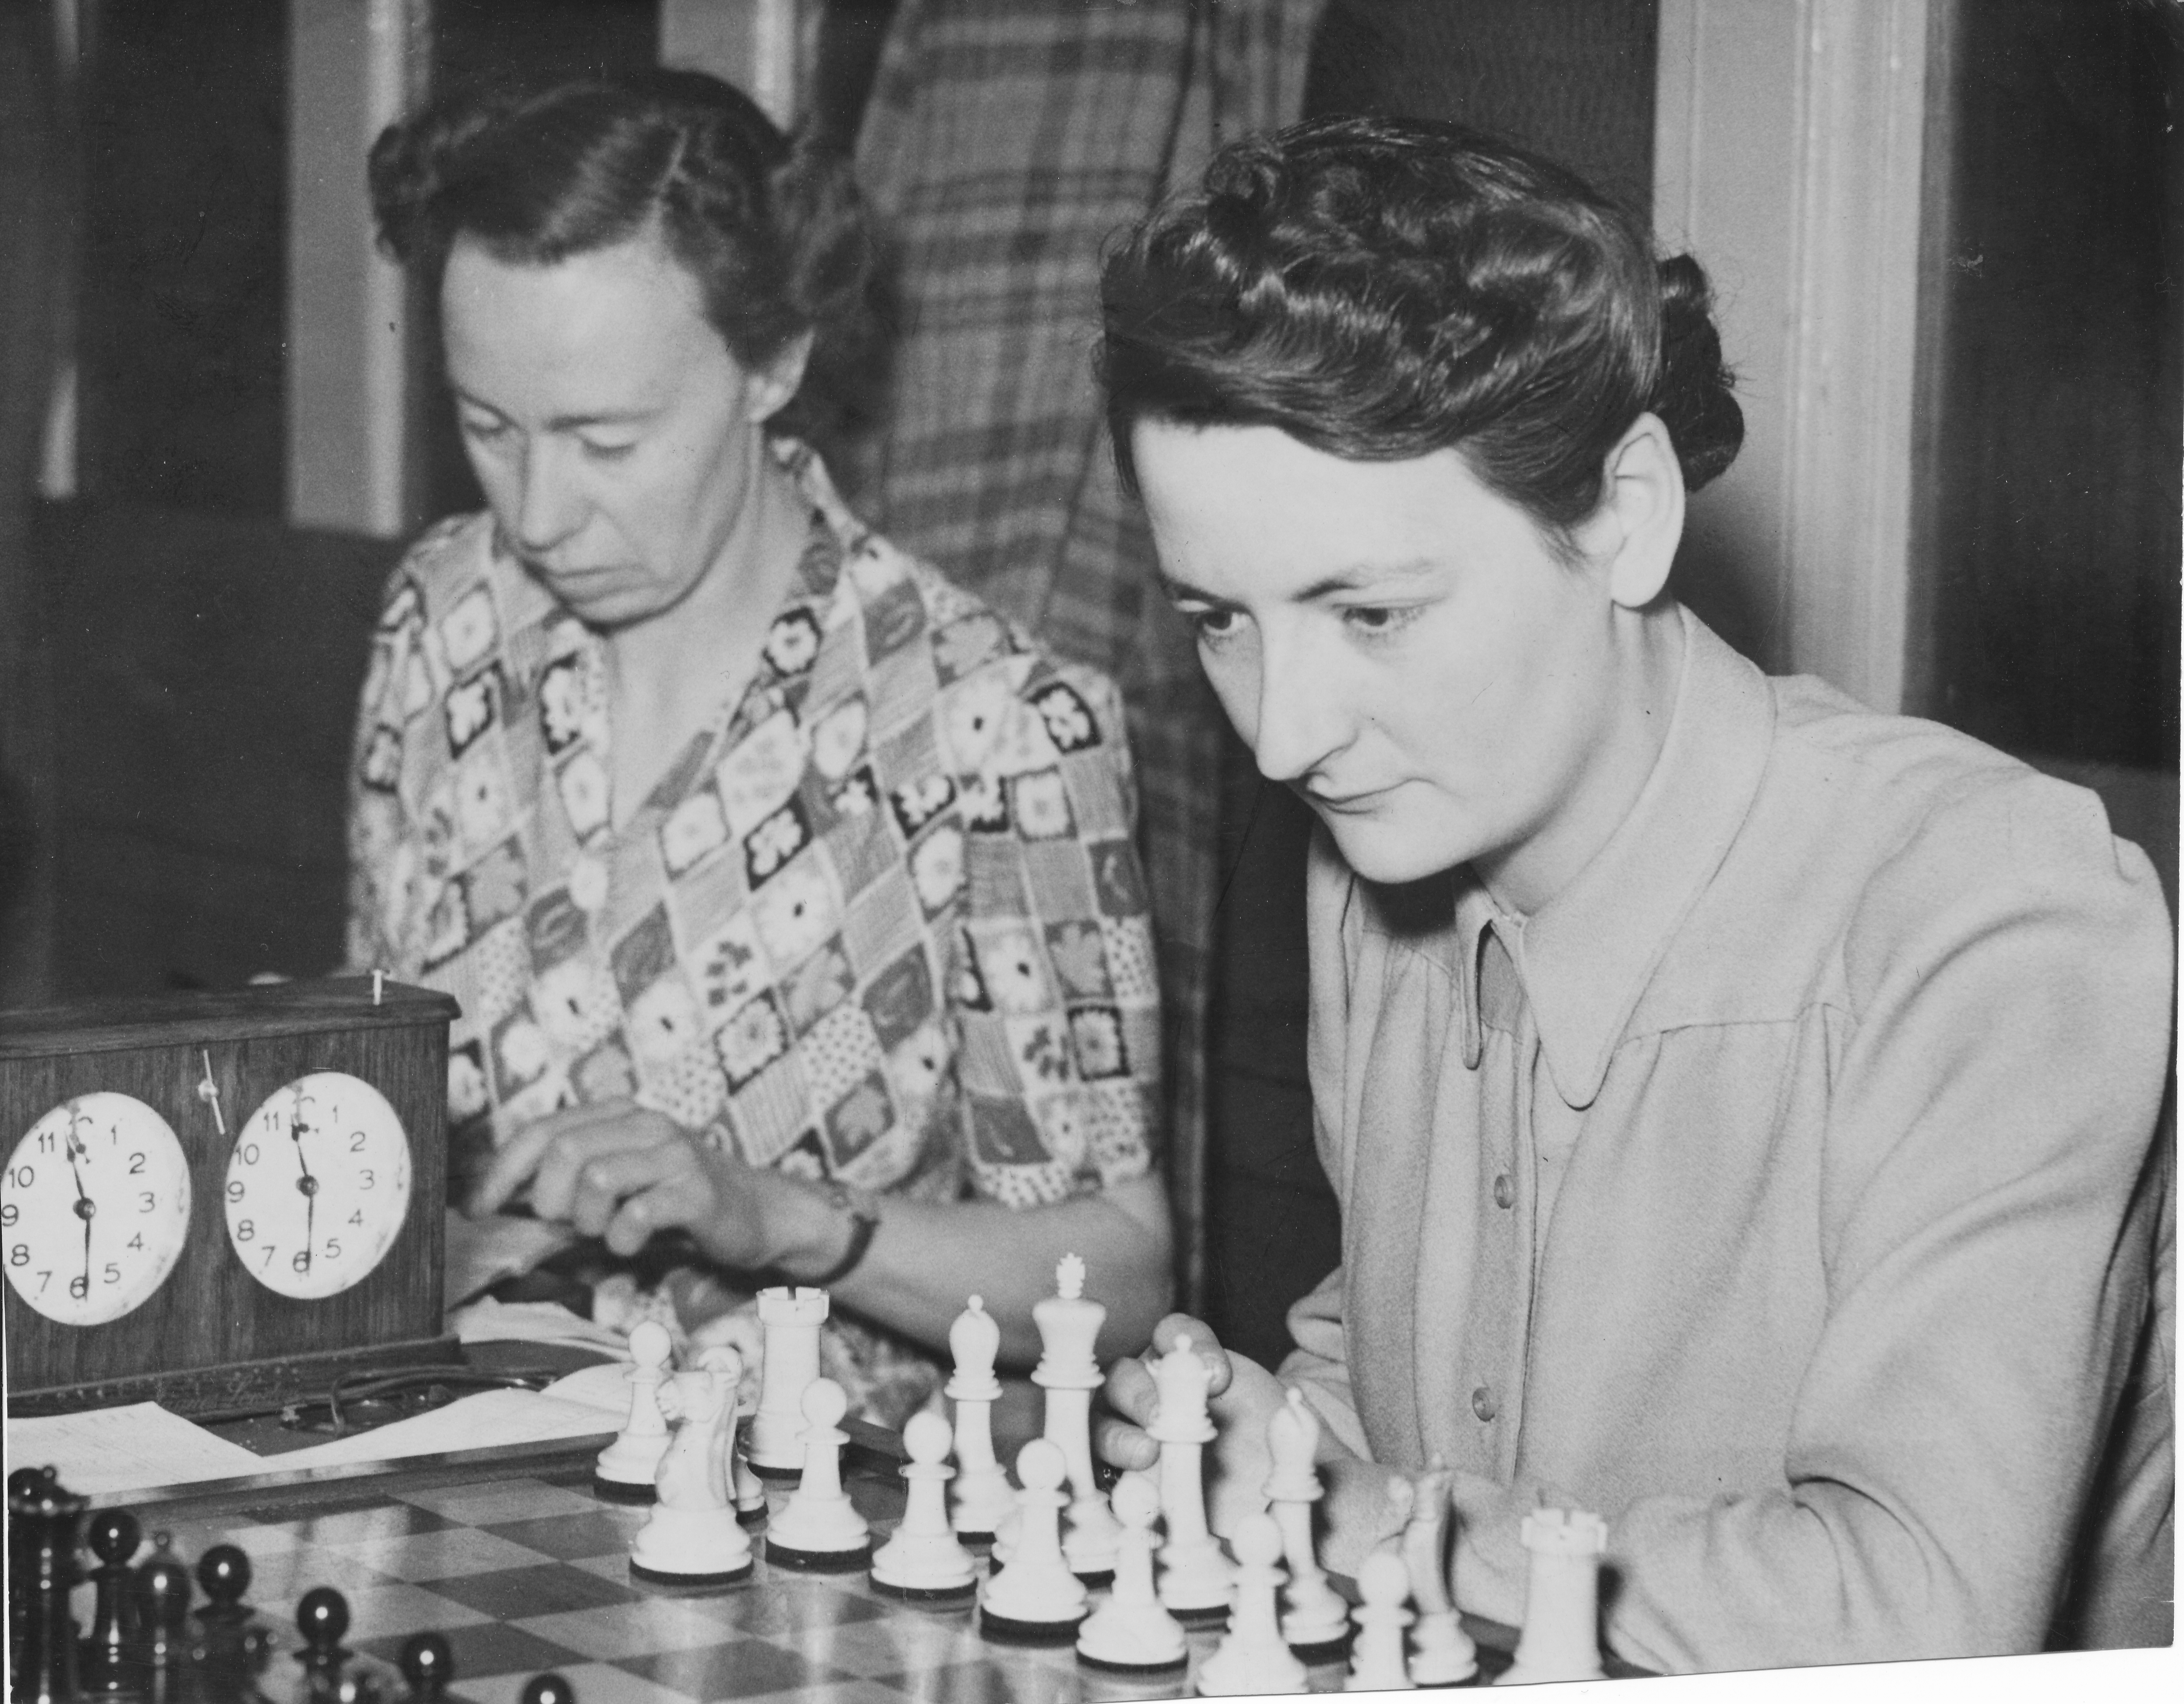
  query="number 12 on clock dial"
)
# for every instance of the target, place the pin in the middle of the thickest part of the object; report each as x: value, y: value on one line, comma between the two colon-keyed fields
x: 318, y: 1184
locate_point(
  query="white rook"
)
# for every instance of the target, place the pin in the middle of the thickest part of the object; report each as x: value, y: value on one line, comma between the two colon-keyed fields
x: 792, y: 1319
x: 1561, y: 1640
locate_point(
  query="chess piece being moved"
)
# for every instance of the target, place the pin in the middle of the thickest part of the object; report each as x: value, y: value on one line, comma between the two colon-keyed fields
x: 1316, y: 1622
x: 982, y: 1496
x: 1131, y: 1631
x: 692, y: 1537
x: 819, y: 1529
x: 625, y: 1469
x: 1069, y: 1372
x: 925, y: 1559
x: 1035, y: 1598
x: 1376, y: 1658
x: 1561, y: 1640
x: 1254, y: 1658
x: 1444, y: 1655
x: 1194, y: 1577
x: 792, y: 1319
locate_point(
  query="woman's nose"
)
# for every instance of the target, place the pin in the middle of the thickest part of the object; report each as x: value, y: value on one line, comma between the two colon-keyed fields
x: 547, y: 510
x: 1299, y: 721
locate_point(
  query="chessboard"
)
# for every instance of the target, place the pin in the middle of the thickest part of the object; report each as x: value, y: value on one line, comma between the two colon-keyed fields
x: 527, y: 1574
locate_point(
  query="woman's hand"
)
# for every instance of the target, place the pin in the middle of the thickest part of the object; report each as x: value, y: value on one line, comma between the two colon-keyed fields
x: 622, y: 1172
x: 1242, y: 1396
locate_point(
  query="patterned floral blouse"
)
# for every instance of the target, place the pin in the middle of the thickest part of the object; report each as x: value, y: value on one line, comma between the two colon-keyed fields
x: 882, y: 920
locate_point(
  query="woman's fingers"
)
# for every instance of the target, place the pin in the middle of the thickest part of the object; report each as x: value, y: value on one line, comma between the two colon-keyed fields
x: 514, y: 1164
x: 1204, y: 1344
x: 605, y: 1186
x: 554, y: 1183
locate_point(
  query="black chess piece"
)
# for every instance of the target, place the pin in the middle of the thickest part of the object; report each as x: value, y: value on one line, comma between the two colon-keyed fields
x: 548, y: 1688
x: 163, y: 1613
x: 43, y: 1517
x: 428, y: 1666
x: 322, y: 1617
x: 110, y: 1663
x: 232, y: 1648
x: 23, y: 1485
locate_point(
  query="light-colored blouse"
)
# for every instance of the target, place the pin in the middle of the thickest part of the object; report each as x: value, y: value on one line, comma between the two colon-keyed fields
x: 1782, y: 1191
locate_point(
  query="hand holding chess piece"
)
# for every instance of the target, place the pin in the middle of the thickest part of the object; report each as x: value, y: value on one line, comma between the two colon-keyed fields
x: 1241, y: 1398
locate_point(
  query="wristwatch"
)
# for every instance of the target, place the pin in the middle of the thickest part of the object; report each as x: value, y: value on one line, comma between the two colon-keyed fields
x: 863, y: 1208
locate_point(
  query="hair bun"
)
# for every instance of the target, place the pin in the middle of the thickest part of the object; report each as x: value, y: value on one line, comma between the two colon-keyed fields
x: 1694, y: 395
x: 412, y: 163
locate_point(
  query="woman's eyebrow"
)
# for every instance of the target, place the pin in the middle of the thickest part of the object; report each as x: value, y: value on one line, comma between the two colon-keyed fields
x: 1356, y: 577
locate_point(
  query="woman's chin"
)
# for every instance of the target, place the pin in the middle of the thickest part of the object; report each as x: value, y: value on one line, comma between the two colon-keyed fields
x: 1391, y: 853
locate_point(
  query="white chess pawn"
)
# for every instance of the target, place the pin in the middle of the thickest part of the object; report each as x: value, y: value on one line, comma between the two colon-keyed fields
x: 1444, y: 1654
x: 624, y: 1471
x: 1035, y: 1597
x: 1069, y: 1372
x: 1254, y: 1658
x: 982, y: 1496
x: 819, y: 1528
x: 924, y: 1559
x: 1317, y: 1620
x: 1376, y: 1660
x: 692, y: 1537
x: 1561, y: 1640
x: 792, y: 1319
x: 1195, y: 1578
x: 1131, y: 1631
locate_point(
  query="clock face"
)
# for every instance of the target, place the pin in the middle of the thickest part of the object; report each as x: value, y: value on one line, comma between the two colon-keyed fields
x: 94, y: 1209
x: 317, y: 1185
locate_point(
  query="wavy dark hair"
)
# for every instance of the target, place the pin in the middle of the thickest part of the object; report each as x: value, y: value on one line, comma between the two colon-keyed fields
x: 775, y: 233
x: 1383, y: 288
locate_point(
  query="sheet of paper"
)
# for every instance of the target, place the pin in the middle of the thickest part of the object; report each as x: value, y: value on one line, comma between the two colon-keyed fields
x: 126, y: 1448
x: 481, y: 1422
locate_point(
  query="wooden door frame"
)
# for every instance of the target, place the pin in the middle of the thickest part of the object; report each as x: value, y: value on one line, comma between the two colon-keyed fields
x: 1794, y: 144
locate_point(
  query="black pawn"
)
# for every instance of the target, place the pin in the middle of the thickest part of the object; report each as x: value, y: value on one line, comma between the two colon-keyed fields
x: 109, y: 1661
x: 428, y: 1666
x: 548, y: 1688
x: 233, y: 1649
x: 163, y: 1608
x: 223, y: 1575
x: 322, y: 1617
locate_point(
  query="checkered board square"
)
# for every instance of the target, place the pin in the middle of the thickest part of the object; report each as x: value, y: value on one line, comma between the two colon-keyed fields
x: 522, y: 1575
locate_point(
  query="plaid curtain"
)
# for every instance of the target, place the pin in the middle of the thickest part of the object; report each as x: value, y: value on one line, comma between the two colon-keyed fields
x: 1005, y: 140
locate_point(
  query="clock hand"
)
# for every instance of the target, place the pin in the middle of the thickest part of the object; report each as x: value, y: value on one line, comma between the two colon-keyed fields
x: 85, y: 1207
x: 307, y: 1183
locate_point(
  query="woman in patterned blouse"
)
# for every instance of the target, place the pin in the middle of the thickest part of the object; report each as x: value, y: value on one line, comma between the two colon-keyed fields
x: 788, y: 893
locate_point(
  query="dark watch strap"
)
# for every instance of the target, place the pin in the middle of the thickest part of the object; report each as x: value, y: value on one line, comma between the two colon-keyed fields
x: 864, y: 1219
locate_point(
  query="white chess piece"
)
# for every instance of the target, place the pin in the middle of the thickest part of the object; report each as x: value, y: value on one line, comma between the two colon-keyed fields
x: 1376, y: 1660
x: 1035, y: 1596
x: 819, y: 1528
x: 1194, y: 1577
x: 792, y: 1319
x: 1254, y: 1658
x: 721, y: 1364
x: 925, y: 1555
x: 1445, y: 1654
x: 747, y: 1489
x: 692, y: 1536
x: 624, y: 1471
x: 982, y: 1496
x: 1069, y: 1372
x: 1561, y: 1640
x: 1131, y: 1629
x: 1317, y: 1619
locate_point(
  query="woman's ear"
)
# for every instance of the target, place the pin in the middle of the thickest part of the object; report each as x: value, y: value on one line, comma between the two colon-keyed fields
x: 1642, y: 501
x: 771, y: 385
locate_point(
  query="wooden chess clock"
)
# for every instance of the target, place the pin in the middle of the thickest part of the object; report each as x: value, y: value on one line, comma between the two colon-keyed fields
x: 222, y: 1201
